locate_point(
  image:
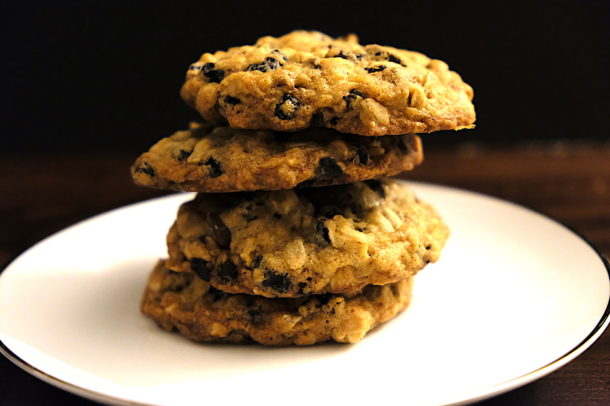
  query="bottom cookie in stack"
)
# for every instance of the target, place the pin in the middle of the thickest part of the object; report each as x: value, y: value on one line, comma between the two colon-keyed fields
x: 293, y: 267
x: 182, y: 301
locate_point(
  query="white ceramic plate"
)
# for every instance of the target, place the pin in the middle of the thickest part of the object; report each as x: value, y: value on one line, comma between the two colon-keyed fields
x: 514, y: 297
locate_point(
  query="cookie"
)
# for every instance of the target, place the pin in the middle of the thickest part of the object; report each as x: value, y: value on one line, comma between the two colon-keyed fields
x: 308, y: 79
x: 292, y: 243
x: 207, y: 158
x: 182, y: 301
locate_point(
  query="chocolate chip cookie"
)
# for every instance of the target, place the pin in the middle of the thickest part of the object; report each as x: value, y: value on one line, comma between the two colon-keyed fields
x: 208, y: 158
x: 299, y: 242
x: 308, y: 79
x: 184, y: 302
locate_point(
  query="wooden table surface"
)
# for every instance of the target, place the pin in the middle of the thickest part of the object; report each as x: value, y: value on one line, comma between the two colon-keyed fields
x: 41, y: 194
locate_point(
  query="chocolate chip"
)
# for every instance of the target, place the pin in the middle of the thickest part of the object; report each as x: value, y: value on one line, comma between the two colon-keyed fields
x: 183, y: 155
x: 255, y: 315
x: 257, y: 262
x: 249, y: 215
x: 322, y: 233
x: 347, y: 55
x: 265, y: 66
x: 328, y: 169
x: 376, y: 186
x: 220, y: 232
x: 146, y: 168
x: 287, y: 108
x: 374, y: 69
x: 213, y: 75
x: 227, y: 272
x: 353, y: 95
x: 232, y: 100
x: 341, y: 55
x: 334, y: 121
x: 199, y: 266
x: 389, y: 57
x: 277, y: 281
x: 363, y: 154
x: 215, y: 167
x: 215, y: 293
x: 394, y: 59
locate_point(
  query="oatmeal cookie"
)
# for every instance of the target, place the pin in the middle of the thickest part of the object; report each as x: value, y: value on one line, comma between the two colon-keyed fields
x: 208, y: 158
x: 308, y: 79
x: 182, y: 301
x: 299, y: 242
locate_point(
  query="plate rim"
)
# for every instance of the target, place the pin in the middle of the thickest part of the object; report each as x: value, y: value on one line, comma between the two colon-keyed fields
x: 481, y: 394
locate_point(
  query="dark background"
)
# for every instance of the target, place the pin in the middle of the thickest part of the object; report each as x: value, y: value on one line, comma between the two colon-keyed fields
x: 86, y: 76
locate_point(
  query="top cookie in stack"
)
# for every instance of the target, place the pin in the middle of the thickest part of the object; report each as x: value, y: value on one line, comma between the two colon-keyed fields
x: 308, y: 79
x: 279, y: 243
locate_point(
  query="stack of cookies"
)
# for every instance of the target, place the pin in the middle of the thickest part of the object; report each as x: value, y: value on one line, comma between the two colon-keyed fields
x: 296, y: 235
